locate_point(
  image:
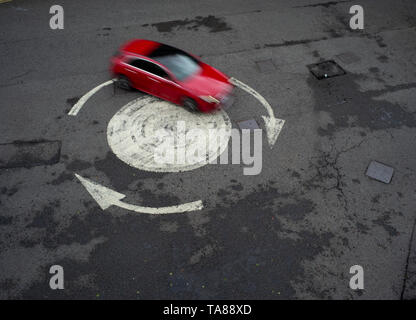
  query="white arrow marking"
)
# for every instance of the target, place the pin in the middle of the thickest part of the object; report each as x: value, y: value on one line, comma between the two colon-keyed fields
x: 75, y: 109
x: 106, y: 198
x: 273, y: 125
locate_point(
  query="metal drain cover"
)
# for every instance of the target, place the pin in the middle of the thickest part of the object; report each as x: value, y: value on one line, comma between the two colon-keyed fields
x: 380, y: 172
x: 326, y: 69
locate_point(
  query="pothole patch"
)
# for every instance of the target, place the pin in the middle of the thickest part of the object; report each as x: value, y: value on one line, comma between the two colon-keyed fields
x: 29, y: 153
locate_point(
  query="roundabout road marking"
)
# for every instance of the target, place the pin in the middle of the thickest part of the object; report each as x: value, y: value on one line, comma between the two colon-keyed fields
x: 273, y: 125
x: 143, y: 121
x: 106, y: 197
x: 132, y: 135
x: 75, y: 109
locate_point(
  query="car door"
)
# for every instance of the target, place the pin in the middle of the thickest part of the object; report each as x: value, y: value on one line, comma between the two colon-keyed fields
x: 148, y: 75
x: 160, y: 82
x: 134, y: 70
x: 165, y: 85
x: 153, y: 79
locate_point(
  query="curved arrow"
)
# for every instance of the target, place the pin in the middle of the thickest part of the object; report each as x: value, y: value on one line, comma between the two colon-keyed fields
x: 75, y: 109
x: 106, y: 198
x: 273, y: 125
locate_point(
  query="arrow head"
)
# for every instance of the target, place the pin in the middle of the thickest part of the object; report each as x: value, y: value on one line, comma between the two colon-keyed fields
x: 104, y: 196
x: 273, y: 128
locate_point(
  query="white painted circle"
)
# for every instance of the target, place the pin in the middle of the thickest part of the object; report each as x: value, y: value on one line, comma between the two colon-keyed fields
x: 131, y: 134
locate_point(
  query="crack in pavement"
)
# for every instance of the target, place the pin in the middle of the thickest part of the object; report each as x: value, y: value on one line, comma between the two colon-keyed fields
x: 331, y: 161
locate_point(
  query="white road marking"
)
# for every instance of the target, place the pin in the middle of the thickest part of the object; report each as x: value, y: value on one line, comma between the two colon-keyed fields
x: 106, y: 197
x: 75, y: 109
x: 273, y: 125
x: 131, y: 134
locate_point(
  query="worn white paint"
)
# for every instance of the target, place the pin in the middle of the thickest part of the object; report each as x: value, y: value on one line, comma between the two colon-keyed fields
x: 75, y: 109
x: 106, y: 197
x: 131, y: 134
x: 273, y: 125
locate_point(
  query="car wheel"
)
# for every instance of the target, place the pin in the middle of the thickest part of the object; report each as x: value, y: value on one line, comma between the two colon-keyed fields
x: 190, y: 104
x: 124, y: 83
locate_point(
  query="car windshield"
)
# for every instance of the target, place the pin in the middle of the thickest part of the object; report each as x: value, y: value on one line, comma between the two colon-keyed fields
x: 182, y: 66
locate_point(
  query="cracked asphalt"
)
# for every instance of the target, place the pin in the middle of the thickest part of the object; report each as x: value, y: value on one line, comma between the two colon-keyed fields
x: 291, y: 232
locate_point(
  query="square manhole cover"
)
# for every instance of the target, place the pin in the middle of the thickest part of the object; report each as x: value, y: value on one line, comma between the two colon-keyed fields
x: 326, y: 69
x: 380, y: 172
x: 265, y: 65
x: 248, y: 124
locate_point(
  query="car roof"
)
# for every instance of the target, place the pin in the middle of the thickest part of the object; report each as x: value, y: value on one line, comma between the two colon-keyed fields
x: 151, y: 49
x: 140, y: 46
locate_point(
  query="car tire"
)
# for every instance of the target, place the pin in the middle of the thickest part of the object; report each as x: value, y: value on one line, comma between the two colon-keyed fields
x: 190, y: 105
x: 124, y: 82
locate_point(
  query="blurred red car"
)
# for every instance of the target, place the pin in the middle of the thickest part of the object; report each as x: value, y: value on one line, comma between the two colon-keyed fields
x: 171, y: 74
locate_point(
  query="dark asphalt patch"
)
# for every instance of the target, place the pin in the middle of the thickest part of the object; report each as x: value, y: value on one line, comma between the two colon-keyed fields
x: 374, y: 70
x: 293, y: 42
x: 322, y: 4
x: 72, y: 101
x: 384, y: 221
x: 29, y: 153
x: 383, y: 58
x: 244, y: 257
x: 326, y: 69
x: 120, y: 174
x: 213, y: 23
x: 78, y: 165
x: 362, y: 228
x: 349, y: 106
x: 380, y: 41
x: 151, y: 199
x: 44, y: 219
x: 8, y: 192
x: 297, y: 211
x: 63, y: 177
x: 5, y: 220
x: 237, y: 187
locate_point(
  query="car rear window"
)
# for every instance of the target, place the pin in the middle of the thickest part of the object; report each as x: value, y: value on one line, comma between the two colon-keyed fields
x: 181, y: 64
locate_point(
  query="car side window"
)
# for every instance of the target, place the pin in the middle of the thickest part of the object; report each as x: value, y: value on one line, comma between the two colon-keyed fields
x: 149, y: 67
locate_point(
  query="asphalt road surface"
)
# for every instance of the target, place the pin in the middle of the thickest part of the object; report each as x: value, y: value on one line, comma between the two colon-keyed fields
x: 291, y: 232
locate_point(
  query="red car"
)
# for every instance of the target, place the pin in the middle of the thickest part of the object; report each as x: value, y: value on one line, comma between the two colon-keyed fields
x: 171, y: 74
